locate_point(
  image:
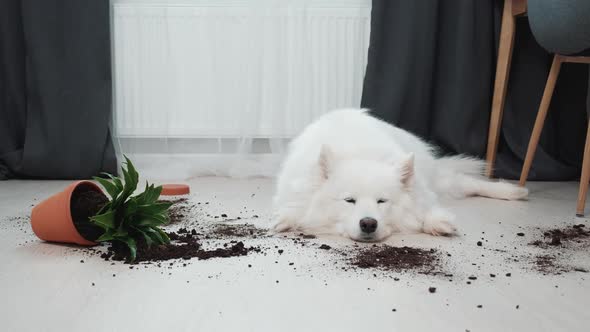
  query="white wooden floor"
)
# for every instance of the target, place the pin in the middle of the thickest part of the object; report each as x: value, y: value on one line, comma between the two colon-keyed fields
x: 44, y: 287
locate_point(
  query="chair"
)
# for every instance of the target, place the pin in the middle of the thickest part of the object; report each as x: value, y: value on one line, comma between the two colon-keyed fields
x: 512, y: 10
x: 558, y: 60
x: 563, y: 28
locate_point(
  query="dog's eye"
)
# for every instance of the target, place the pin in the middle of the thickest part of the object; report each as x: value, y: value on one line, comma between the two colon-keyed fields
x: 381, y: 201
x: 350, y: 200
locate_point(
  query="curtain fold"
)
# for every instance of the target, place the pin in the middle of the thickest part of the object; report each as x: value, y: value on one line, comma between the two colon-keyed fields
x: 431, y: 67
x: 55, y: 89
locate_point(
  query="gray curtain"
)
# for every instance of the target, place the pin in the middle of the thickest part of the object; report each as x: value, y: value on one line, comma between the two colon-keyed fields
x: 55, y: 89
x: 431, y: 68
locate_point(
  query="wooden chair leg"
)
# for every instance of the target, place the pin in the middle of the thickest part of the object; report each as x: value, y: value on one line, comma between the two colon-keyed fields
x: 585, y: 178
x: 500, y: 84
x: 543, y: 108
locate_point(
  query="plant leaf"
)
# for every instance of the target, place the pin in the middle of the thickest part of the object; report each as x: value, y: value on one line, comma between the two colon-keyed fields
x: 132, y: 172
x: 104, y: 208
x: 141, y: 197
x: 132, y: 247
x: 152, y: 194
x: 127, y: 187
x: 131, y: 208
x: 121, y: 233
x: 111, y: 189
x: 107, y: 236
x: 155, y: 235
x: 131, y: 177
x: 154, y: 208
x: 152, y: 221
x: 116, y: 180
x: 163, y: 235
x: 148, y: 240
x: 105, y: 220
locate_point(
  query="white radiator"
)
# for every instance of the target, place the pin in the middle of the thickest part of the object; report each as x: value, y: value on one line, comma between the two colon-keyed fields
x: 197, y: 69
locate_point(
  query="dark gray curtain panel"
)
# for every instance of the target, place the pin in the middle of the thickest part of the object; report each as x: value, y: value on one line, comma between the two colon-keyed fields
x: 431, y: 67
x: 55, y: 89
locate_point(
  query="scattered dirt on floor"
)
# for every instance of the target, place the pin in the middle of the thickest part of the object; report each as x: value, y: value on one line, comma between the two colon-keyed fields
x: 236, y: 230
x: 556, y: 246
x: 182, y: 246
x: 563, y: 237
x: 398, y: 259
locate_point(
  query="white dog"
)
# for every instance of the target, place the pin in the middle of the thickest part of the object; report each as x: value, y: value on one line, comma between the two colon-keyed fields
x: 349, y: 173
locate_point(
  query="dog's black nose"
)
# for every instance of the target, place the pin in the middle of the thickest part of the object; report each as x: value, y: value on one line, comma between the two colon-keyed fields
x: 368, y: 225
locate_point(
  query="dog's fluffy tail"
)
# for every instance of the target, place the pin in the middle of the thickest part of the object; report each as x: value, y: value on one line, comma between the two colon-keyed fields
x: 462, y: 164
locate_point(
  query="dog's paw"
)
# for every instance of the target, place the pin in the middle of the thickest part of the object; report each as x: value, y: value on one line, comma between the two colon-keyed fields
x: 438, y: 222
x: 517, y: 193
x: 508, y: 191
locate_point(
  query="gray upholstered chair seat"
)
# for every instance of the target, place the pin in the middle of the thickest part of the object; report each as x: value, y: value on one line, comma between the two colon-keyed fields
x: 561, y: 26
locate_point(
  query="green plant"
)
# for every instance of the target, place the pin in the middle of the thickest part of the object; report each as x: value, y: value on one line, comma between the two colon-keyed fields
x: 129, y: 219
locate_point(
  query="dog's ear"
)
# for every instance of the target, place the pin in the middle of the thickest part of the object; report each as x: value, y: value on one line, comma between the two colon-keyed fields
x: 326, y: 161
x: 407, y: 170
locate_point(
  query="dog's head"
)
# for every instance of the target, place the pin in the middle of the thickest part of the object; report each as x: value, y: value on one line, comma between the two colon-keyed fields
x: 363, y: 197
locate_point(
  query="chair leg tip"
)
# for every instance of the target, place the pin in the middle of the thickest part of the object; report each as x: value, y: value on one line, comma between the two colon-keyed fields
x: 580, y: 215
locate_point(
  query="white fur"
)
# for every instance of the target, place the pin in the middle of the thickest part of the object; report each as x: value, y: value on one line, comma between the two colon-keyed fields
x: 348, y: 165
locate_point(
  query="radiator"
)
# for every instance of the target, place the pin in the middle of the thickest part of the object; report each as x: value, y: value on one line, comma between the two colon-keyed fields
x: 215, y: 69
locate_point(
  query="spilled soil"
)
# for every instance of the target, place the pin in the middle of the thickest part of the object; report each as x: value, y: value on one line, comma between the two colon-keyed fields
x: 548, y: 264
x: 563, y: 237
x: 236, y: 230
x: 558, y: 244
x: 185, y: 245
x: 398, y: 259
x: 188, y: 243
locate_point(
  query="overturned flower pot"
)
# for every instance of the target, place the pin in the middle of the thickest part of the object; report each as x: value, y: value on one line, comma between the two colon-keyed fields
x: 64, y: 217
x: 83, y: 214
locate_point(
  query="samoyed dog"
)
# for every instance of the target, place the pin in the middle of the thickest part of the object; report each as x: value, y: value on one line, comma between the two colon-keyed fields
x: 351, y: 174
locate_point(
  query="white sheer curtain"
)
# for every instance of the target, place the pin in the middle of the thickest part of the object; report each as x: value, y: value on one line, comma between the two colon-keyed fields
x: 219, y: 87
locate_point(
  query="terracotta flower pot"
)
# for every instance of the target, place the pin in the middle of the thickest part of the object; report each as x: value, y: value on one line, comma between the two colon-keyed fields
x: 52, y: 219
